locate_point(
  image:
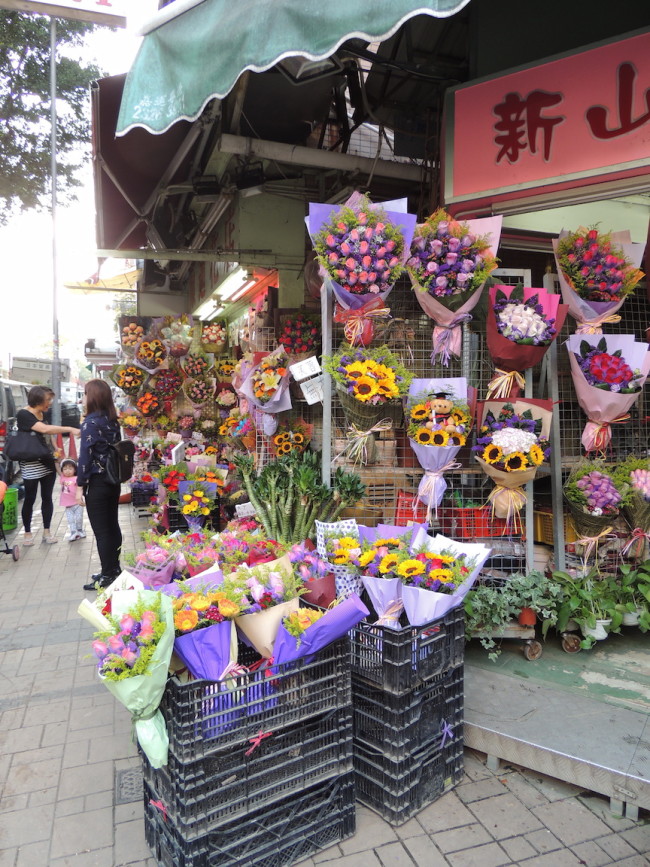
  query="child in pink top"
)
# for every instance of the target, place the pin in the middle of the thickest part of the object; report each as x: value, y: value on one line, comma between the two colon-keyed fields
x: 73, y: 511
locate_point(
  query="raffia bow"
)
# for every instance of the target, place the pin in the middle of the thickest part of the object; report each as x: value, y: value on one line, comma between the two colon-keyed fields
x: 514, y: 500
x: 636, y: 541
x: 446, y: 339
x: 391, y: 614
x: 501, y: 385
x: 590, y: 544
x: 354, y: 320
x: 429, y: 486
x: 597, y: 435
x: 594, y: 326
x: 356, y: 448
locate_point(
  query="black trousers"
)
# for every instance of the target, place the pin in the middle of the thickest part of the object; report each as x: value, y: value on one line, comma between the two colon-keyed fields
x: 47, y: 506
x: 102, y: 505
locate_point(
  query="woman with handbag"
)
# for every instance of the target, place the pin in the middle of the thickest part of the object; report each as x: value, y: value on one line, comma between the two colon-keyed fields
x: 99, y: 430
x: 37, y: 460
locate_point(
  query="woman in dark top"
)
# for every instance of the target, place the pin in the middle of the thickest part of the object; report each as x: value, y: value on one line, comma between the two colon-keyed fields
x: 41, y: 472
x: 100, y: 429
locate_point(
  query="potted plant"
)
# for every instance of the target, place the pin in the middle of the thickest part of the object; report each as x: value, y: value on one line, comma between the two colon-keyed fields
x: 631, y: 589
x: 539, y: 595
x: 591, y: 602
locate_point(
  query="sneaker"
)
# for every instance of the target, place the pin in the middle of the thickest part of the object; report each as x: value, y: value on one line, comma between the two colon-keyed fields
x: 81, y: 534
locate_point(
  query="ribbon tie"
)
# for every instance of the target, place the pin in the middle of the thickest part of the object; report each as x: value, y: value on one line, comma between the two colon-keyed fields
x: 501, y: 385
x: 597, y: 435
x: 594, y: 326
x: 510, y: 501
x: 354, y: 320
x: 257, y: 740
x: 432, y: 487
x: 391, y: 614
x: 590, y: 543
x: 446, y: 339
x: 447, y: 732
x: 637, y: 540
x: 356, y: 447
x: 160, y: 806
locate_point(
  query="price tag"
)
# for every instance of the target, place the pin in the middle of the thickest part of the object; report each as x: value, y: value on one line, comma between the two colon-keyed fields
x: 245, y: 510
x: 302, y: 369
x: 313, y: 389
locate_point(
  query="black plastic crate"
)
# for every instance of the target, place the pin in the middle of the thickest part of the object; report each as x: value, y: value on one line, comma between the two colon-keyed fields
x: 274, y: 836
x: 175, y: 520
x: 141, y: 496
x: 407, y: 723
x: 204, y: 716
x: 400, y: 660
x: 398, y: 789
x: 199, y: 796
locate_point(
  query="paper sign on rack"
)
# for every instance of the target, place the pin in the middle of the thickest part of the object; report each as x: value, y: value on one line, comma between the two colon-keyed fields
x: 245, y: 510
x: 302, y: 369
x: 312, y: 389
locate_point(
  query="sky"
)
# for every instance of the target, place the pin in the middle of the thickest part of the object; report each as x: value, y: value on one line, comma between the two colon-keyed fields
x: 26, y: 316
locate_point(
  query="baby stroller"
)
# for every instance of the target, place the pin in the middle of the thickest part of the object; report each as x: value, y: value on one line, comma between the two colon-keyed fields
x: 15, y: 551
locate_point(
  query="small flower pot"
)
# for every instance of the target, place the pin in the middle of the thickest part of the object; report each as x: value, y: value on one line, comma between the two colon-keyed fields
x: 527, y: 617
x: 597, y: 632
x: 631, y: 618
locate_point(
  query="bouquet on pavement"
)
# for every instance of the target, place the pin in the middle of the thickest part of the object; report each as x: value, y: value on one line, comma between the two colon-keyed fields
x: 448, y: 264
x: 512, y: 442
x: 133, y: 659
x: 439, y: 419
x: 597, y: 271
x: 608, y: 375
x: 521, y: 325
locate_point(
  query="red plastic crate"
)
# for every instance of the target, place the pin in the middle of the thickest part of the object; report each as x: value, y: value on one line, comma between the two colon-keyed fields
x: 470, y: 523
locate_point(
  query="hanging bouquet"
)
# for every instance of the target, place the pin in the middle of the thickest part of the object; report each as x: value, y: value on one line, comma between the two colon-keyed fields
x: 512, y: 442
x: 633, y: 477
x: 214, y: 336
x: 268, y: 592
x: 608, y: 375
x: 131, y: 422
x: 148, y: 404
x: 439, y: 421
x: 224, y: 367
x: 226, y: 397
x: 239, y: 427
x: 597, y: 272
x: 196, y: 364
x: 290, y: 437
x: 132, y: 330
x: 199, y: 391
x: 177, y: 333
x: 150, y: 353
x: 133, y: 659
x: 267, y: 388
x: 171, y: 476
x: 448, y: 264
x: 129, y: 378
x: 166, y: 383
x: 366, y: 380
x: 594, y: 496
x: 521, y: 325
x: 299, y: 335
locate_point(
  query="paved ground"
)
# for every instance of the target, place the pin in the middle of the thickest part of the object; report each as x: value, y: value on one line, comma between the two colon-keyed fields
x: 64, y: 741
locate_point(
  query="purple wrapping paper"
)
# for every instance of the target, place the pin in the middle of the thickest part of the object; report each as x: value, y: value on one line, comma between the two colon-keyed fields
x: 385, y: 594
x: 155, y: 579
x: 279, y: 403
x: 333, y: 625
x: 206, y: 652
x: 208, y: 579
x: 433, y: 459
x: 390, y: 531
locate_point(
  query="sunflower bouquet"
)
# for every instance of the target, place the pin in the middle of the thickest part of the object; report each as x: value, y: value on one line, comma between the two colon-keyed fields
x: 224, y: 367
x: 129, y: 378
x: 511, y: 444
x: 439, y: 420
x: 150, y: 353
x: 291, y: 438
x: 448, y: 265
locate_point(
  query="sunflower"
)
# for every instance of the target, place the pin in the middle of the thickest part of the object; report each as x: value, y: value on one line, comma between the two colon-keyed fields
x: 535, y: 455
x: 284, y: 448
x: 280, y: 438
x: 387, y: 388
x: 366, y: 558
x: 365, y: 388
x: 492, y: 454
x: 457, y: 439
x: 423, y: 436
x: 356, y: 370
x: 420, y: 411
x: 392, y: 542
x: 408, y: 568
x: 340, y: 557
x: 298, y: 439
x: 388, y: 563
x: 442, y: 575
x: 440, y: 438
x: 515, y: 461
x: 348, y: 542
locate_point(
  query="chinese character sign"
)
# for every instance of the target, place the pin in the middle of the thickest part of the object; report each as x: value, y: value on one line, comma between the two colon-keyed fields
x: 587, y: 113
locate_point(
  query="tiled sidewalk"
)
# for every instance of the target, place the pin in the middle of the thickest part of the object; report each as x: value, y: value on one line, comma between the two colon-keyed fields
x: 65, y: 740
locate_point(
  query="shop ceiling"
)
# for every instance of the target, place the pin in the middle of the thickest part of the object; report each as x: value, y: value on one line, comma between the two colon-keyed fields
x: 370, y: 122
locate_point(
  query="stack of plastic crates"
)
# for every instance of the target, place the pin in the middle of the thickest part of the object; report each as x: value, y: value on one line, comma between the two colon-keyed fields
x: 260, y: 766
x: 407, y: 688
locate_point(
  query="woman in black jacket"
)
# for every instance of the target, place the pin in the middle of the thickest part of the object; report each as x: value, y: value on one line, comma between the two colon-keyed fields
x: 100, y: 429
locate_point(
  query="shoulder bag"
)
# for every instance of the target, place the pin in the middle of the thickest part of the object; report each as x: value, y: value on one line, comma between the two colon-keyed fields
x: 26, y: 445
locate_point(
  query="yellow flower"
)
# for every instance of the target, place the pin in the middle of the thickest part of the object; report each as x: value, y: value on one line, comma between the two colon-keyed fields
x: 223, y: 430
x: 492, y: 454
x: 228, y: 608
x: 200, y: 603
x: 380, y: 543
x: 280, y: 438
x: 515, y: 461
x: 298, y: 438
x: 459, y: 417
x: 355, y: 370
x: 457, y: 439
x: 348, y: 542
x: 442, y: 575
x: 187, y: 497
x: 440, y: 438
x: 536, y: 455
x: 388, y: 563
x: 185, y: 621
x: 419, y: 411
x: 205, y: 511
x: 198, y: 493
x: 424, y: 436
x: 387, y: 388
x: 340, y: 557
x: 366, y: 558
x: 410, y: 567
x: 365, y: 388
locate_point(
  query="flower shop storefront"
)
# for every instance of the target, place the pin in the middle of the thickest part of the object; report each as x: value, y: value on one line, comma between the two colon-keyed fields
x: 559, y: 150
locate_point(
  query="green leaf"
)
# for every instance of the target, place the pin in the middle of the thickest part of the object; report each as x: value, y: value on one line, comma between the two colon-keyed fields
x: 585, y: 348
x: 601, y: 346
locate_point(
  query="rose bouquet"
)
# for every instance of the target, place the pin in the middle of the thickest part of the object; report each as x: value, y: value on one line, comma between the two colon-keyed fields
x: 594, y: 497
x: 171, y: 476
x: 166, y: 383
x: 299, y: 335
x: 512, y: 442
x: 439, y: 421
x: 291, y: 437
x: 214, y: 336
x: 268, y: 592
x: 129, y: 378
x: 177, y: 333
x: 148, y: 404
x: 267, y: 388
x: 596, y: 272
x: 197, y: 364
x: 448, y: 264
x: 206, y: 641
x: 132, y: 330
x: 521, y: 325
x: 633, y: 477
x: 608, y: 375
x: 315, y: 573
x: 199, y: 391
x: 150, y: 353
x: 133, y: 659
x: 366, y: 380
x: 226, y: 397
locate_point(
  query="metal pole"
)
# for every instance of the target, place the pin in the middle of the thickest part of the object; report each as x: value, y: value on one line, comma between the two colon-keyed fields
x: 556, y: 461
x: 56, y: 364
x: 326, y: 331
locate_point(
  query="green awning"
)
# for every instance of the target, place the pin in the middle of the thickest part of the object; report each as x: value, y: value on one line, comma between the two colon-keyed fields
x: 199, y: 55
